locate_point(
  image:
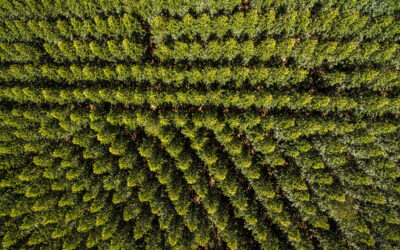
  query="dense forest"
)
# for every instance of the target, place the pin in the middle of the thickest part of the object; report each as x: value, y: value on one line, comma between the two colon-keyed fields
x: 199, y: 124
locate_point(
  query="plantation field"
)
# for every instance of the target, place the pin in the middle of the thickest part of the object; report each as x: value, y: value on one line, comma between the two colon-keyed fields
x: 199, y: 124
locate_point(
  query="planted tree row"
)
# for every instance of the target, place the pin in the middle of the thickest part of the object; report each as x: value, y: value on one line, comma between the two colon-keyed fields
x: 376, y: 80
x: 178, y: 77
x: 371, y: 105
x: 307, y: 54
x: 369, y: 7
x: 98, y: 27
x: 110, y: 50
x: 19, y: 52
x: 330, y: 24
x: 48, y: 9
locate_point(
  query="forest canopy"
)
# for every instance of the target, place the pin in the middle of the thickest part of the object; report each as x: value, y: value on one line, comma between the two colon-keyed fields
x: 199, y: 124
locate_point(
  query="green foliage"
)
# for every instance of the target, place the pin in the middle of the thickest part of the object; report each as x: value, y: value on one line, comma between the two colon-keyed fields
x: 204, y: 124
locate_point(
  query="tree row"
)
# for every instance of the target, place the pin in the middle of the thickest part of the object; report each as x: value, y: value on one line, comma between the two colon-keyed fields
x: 235, y: 77
x: 307, y: 54
x: 98, y: 27
x: 369, y: 7
x: 330, y: 25
x: 371, y: 105
x: 178, y: 76
x: 111, y: 51
x: 48, y: 9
